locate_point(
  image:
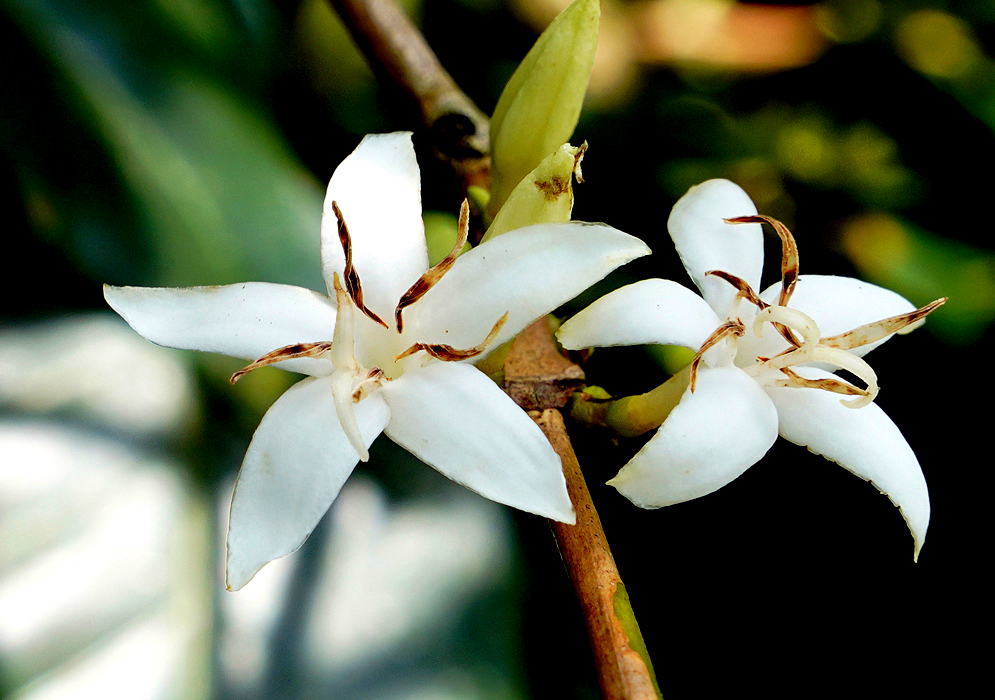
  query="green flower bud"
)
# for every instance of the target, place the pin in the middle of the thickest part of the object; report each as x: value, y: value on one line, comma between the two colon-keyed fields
x: 544, y: 196
x: 540, y: 105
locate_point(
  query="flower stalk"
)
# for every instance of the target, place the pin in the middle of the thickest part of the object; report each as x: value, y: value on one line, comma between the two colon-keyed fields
x: 536, y: 375
x: 629, y: 416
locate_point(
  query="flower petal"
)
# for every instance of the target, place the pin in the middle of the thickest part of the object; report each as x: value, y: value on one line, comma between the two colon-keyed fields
x: 710, y: 438
x: 525, y: 273
x: 840, y: 304
x: 452, y: 417
x: 650, y: 311
x: 864, y: 441
x: 706, y: 242
x: 296, y: 463
x: 244, y: 320
x: 378, y: 190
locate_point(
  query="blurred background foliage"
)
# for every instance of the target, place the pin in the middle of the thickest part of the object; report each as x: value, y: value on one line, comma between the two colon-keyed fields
x: 179, y: 142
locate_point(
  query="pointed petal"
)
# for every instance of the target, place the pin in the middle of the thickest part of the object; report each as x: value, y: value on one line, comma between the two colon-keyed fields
x: 836, y: 304
x: 378, y: 190
x: 525, y: 273
x: 296, y: 463
x: 455, y: 419
x: 240, y: 320
x: 706, y: 242
x: 650, y: 311
x: 863, y: 441
x: 711, y: 437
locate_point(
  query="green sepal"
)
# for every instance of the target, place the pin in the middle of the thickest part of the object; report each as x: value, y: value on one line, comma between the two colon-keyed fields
x: 544, y: 196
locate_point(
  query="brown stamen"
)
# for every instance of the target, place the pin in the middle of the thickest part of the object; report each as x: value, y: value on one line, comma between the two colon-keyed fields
x: 746, y: 292
x: 288, y: 352
x: 726, y: 329
x: 872, y: 332
x: 578, y: 175
x: 352, y: 284
x: 789, y: 253
x: 372, y: 377
x: 835, y: 386
x: 435, y: 273
x: 447, y: 353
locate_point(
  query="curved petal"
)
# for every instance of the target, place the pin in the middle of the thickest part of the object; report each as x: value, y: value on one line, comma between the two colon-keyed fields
x: 650, y: 311
x: 296, y: 463
x: 837, y: 305
x: 378, y: 190
x: 525, y: 273
x: 706, y: 242
x: 455, y: 419
x: 244, y: 320
x: 863, y: 440
x: 711, y: 437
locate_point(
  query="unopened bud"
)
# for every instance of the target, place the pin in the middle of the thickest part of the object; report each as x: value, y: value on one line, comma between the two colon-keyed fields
x: 540, y: 105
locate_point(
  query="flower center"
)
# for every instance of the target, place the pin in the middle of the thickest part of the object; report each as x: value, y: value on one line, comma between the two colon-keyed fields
x: 806, y: 344
x: 350, y: 381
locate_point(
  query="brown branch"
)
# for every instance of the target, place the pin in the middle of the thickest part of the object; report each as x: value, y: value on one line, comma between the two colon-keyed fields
x: 535, y: 371
x: 459, y: 131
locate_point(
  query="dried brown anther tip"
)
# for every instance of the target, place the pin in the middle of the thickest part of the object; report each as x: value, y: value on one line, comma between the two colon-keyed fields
x: 789, y: 252
x: 746, y: 292
x: 871, y: 332
x: 287, y: 352
x: 728, y: 328
x: 351, y: 277
x: 435, y: 273
x: 447, y: 353
x: 578, y: 157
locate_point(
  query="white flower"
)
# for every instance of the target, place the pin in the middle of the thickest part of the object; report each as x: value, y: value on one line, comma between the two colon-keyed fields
x: 387, y: 354
x: 744, y: 389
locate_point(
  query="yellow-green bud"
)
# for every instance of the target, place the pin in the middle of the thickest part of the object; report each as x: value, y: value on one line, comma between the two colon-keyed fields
x: 540, y: 105
x: 544, y: 196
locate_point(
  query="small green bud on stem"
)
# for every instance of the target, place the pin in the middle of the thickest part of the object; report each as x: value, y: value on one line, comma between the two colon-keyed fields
x: 540, y: 105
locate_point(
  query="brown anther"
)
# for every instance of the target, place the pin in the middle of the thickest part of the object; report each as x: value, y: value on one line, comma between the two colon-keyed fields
x: 435, y: 273
x: 746, y: 292
x: 374, y: 375
x: 726, y: 329
x: 872, y: 332
x: 352, y: 283
x: 578, y: 175
x: 835, y: 386
x: 288, y: 352
x: 789, y: 253
x: 447, y: 353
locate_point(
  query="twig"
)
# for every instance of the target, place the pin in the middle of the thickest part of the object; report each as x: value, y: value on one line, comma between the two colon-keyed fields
x: 623, y: 665
x: 460, y: 132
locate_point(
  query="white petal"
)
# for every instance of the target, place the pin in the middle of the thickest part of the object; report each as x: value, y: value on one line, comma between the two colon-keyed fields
x: 840, y: 304
x: 526, y: 273
x: 711, y: 437
x: 862, y: 440
x: 378, y: 190
x: 455, y: 419
x: 293, y: 470
x: 705, y: 242
x: 240, y: 320
x: 650, y: 311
